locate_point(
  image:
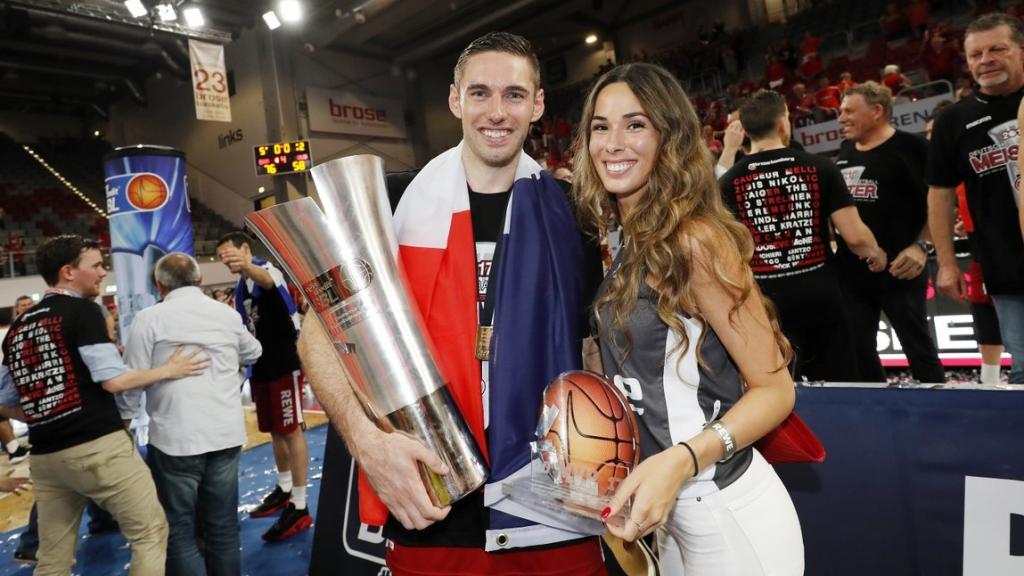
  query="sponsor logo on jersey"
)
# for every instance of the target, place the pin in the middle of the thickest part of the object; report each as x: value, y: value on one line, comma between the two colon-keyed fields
x: 1002, y: 154
x: 755, y: 165
x: 860, y: 188
x: 981, y: 120
x: 287, y: 408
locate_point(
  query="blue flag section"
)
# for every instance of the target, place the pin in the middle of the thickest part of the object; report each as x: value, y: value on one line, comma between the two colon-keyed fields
x: 918, y: 482
x: 909, y: 473
x: 147, y: 200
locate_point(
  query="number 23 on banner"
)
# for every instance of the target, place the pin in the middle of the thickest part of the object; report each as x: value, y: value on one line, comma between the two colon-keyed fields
x: 207, y: 82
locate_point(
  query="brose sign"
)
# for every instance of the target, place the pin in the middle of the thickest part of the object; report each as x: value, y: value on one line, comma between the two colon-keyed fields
x: 346, y: 112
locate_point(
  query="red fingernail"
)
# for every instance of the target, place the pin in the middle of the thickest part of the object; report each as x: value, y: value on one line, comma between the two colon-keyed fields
x: 606, y: 512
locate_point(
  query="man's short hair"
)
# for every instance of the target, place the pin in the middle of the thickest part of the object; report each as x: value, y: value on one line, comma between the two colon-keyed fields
x: 176, y: 270
x: 236, y: 237
x: 23, y: 297
x: 873, y: 93
x: 499, y: 42
x: 760, y: 114
x: 61, y: 251
x: 993, y: 20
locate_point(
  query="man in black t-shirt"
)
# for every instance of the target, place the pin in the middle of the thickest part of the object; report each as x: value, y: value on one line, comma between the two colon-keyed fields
x: 788, y: 198
x: 59, y: 374
x: 265, y: 304
x: 884, y: 171
x: 975, y: 141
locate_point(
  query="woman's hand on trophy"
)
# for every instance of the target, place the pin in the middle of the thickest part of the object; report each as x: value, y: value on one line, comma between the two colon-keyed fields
x: 653, y: 487
x: 390, y: 462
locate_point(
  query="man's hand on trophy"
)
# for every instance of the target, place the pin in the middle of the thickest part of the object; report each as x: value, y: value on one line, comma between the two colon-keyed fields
x: 389, y: 461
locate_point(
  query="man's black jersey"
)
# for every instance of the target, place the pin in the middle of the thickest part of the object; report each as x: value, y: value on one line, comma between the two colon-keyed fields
x: 975, y: 141
x: 888, y: 187
x: 786, y: 197
x: 64, y: 406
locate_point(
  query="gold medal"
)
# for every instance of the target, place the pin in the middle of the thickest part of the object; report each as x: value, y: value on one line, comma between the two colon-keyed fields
x: 483, y: 342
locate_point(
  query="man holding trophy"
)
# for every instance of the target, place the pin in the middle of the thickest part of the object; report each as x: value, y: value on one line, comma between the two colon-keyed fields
x: 496, y: 265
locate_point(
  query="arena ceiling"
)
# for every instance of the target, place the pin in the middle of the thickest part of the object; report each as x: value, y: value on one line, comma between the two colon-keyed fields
x: 68, y: 56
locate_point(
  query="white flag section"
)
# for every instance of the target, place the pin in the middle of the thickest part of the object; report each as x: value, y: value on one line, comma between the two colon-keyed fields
x: 209, y: 81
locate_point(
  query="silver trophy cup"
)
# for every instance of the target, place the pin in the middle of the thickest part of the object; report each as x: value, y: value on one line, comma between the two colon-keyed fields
x: 347, y: 268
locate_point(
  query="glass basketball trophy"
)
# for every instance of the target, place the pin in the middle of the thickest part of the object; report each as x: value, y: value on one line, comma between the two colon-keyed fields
x: 585, y: 444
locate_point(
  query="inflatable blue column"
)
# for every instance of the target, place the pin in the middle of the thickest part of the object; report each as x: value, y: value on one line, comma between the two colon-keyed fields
x: 147, y: 200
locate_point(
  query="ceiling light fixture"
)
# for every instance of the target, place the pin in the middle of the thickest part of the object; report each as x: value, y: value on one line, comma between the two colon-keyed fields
x: 291, y: 10
x: 136, y: 8
x: 166, y: 12
x: 591, y: 39
x: 270, y: 18
x: 193, y: 16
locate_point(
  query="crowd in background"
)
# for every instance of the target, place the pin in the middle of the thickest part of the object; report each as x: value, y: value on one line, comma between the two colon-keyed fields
x: 924, y: 48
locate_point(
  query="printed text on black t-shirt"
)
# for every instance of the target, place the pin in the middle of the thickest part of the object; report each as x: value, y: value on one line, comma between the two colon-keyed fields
x: 49, y: 389
x: 781, y: 208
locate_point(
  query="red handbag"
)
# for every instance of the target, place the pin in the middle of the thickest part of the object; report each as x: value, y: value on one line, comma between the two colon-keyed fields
x: 790, y: 443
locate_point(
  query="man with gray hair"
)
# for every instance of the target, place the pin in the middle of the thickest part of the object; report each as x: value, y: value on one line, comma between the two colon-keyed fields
x: 976, y: 142
x: 196, y: 425
x: 884, y: 169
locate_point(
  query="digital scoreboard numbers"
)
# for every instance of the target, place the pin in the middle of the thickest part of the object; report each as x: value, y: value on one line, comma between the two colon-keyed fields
x: 283, y: 158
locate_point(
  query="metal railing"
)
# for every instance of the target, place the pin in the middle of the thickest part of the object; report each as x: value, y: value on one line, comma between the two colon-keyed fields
x: 704, y: 83
x: 925, y: 90
x: 23, y: 262
x: 17, y: 263
x: 908, y: 94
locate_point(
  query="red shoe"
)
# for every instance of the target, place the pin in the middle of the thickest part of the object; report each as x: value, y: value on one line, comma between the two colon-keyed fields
x: 272, y: 503
x: 291, y: 522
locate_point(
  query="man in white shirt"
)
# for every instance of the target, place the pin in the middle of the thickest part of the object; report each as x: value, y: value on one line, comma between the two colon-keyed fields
x: 196, y: 427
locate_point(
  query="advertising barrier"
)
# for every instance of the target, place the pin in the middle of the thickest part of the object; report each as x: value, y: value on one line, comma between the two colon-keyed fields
x: 917, y: 482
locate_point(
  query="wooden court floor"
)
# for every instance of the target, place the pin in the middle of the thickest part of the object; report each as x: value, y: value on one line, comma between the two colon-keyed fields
x: 14, y: 508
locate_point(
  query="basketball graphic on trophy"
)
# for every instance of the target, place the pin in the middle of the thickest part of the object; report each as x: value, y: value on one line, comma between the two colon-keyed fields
x: 585, y: 444
x: 594, y: 439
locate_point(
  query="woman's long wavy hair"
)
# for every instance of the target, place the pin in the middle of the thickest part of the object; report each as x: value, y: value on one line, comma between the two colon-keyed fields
x: 682, y: 200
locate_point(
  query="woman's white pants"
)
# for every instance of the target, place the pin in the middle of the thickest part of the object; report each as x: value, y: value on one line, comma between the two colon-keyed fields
x: 750, y: 528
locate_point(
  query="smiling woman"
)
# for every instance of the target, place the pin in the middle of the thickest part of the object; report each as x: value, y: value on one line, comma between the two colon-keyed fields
x: 623, y: 143
x: 680, y: 316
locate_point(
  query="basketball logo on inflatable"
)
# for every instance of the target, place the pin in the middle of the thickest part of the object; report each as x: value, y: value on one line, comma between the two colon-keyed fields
x: 588, y: 435
x: 147, y: 192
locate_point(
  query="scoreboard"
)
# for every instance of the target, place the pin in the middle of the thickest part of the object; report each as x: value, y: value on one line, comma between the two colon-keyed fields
x: 283, y: 158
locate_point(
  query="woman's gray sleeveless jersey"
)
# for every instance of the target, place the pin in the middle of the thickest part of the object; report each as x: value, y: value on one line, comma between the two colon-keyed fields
x: 671, y: 394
